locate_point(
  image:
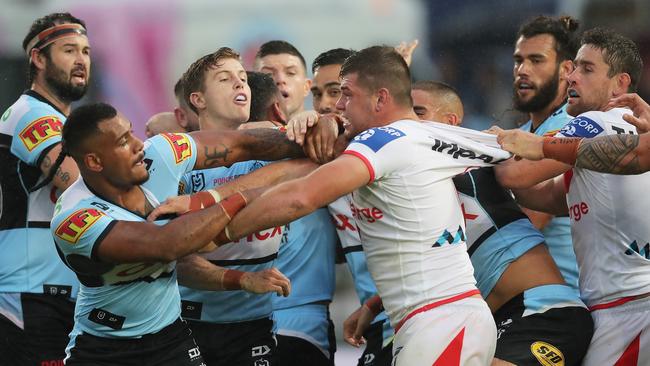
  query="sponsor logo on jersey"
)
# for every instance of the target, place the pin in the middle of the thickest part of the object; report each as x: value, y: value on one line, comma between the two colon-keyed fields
x: 368, y: 214
x: 264, y: 234
x: 581, y: 127
x: 376, y: 138
x: 40, y: 130
x: 78, y: 223
x: 194, y: 353
x: 343, y: 222
x: 633, y: 249
x: 180, y: 144
x: 547, y: 354
x: 457, y: 152
x: 578, y: 210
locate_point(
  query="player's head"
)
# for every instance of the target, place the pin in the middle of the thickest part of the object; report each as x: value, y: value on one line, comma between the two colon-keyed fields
x: 287, y: 66
x: 216, y: 88
x: 101, y: 142
x: 437, y: 101
x: 375, y: 84
x: 162, y: 122
x: 59, y: 55
x: 544, y: 51
x: 607, y: 65
x: 326, y: 86
x: 266, y: 100
x: 185, y: 116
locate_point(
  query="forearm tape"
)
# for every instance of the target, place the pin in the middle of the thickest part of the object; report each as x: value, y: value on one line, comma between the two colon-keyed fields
x: 564, y: 149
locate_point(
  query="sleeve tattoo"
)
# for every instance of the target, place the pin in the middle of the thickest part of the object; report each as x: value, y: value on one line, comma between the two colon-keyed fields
x: 610, y: 154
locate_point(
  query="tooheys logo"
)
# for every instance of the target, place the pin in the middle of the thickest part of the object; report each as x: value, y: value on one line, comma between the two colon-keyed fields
x: 76, y: 224
x: 40, y: 130
x: 458, y: 152
x: 180, y: 143
x: 546, y: 354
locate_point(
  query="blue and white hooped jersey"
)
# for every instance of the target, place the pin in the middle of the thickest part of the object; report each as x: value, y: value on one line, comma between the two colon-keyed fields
x: 122, y: 300
x: 255, y: 252
x: 29, y: 263
x: 348, y: 232
x: 558, y: 232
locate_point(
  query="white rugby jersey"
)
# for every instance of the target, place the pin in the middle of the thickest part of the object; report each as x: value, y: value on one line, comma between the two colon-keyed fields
x: 608, y: 218
x: 410, y: 220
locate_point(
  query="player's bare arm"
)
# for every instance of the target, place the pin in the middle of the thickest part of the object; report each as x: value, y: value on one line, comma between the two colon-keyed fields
x: 219, y: 148
x: 65, y: 174
x: 293, y: 199
x: 616, y: 154
x: 197, y: 272
x: 548, y: 196
x: 129, y: 242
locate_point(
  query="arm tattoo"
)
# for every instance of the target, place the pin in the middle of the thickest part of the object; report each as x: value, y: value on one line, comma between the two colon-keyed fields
x: 64, y: 176
x: 215, y: 154
x: 610, y: 154
x: 270, y: 144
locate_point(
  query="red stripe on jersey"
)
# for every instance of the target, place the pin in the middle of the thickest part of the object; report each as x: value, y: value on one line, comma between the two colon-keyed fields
x: 451, y: 355
x: 568, y: 176
x: 615, y: 303
x: 365, y: 161
x: 630, y: 356
x: 435, y: 305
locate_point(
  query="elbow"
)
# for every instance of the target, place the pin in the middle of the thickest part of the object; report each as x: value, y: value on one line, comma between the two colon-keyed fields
x: 304, y: 204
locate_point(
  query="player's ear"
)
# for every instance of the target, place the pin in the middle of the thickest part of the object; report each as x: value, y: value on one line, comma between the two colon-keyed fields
x: 383, y: 98
x: 198, y: 100
x: 93, y: 162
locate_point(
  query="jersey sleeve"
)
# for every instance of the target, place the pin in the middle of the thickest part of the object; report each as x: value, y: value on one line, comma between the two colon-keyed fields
x: 81, y: 230
x: 36, y: 132
x: 379, y: 149
x: 175, y: 151
x: 586, y: 125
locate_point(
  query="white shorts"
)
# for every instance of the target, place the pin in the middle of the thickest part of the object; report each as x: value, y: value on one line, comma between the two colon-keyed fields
x: 621, y: 335
x: 458, y: 333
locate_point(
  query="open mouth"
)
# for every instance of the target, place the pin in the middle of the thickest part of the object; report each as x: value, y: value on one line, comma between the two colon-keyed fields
x: 140, y: 160
x: 522, y: 86
x: 284, y: 94
x: 573, y: 93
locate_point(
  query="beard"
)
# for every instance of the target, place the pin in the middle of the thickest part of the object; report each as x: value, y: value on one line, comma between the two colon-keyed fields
x: 60, y: 83
x: 546, y: 93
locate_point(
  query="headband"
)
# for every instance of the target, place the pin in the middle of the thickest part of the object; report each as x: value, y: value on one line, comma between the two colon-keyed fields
x: 52, y: 34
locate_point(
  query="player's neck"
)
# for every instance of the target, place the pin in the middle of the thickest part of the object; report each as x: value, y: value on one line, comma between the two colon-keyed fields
x: 43, y: 89
x: 207, y: 123
x: 131, y: 197
x: 538, y: 117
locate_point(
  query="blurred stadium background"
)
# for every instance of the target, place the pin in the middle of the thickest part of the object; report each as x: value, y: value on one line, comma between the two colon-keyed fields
x: 140, y: 48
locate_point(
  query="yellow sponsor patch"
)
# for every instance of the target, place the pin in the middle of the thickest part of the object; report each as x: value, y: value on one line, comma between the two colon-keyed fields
x: 76, y: 224
x: 40, y: 130
x: 180, y: 144
x: 547, y: 354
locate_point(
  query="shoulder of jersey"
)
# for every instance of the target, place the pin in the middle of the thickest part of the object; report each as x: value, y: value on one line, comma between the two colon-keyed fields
x: 72, y: 197
x: 378, y: 137
x: 588, y: 124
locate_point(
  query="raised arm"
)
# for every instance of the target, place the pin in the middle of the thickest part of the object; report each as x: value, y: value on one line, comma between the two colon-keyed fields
x: 223, y: 148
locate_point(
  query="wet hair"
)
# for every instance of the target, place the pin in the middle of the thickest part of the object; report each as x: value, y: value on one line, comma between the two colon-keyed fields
x: 563, y: 29
x: 80, y: 125
x: 278, y: 48
x: 193, y: 79
x: 40, y: 25
x: 335, y: 56
x: 619, y: 52
x: 264, y: 93
x: 381, y: 67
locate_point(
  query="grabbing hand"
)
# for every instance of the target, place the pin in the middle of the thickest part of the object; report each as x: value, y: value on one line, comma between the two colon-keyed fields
x: 523, y: 144
x: 268, y: 280
x: 321, y: 138
x: 641, y: 117
x: 299, y: 124
x: 173, y: 205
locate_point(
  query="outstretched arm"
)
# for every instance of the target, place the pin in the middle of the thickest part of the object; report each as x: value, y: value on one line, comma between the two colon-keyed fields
x: 294, y: 199
x: 223, y: 148
x: 616, y: 154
